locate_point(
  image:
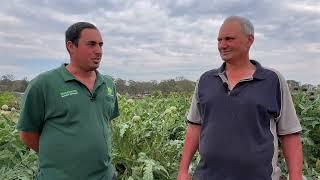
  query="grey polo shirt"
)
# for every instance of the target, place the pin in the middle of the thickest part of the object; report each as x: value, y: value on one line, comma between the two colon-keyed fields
x: 240, y: 127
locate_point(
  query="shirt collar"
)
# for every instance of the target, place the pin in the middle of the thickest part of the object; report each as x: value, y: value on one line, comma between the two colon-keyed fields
x: 67, y: 76
x: 258, y: 74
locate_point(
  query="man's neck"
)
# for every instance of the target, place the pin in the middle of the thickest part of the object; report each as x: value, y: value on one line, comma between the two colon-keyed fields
x: 239, y: 70
x: 87, y: 78
x: 80, y: 73
x: 240, y: 65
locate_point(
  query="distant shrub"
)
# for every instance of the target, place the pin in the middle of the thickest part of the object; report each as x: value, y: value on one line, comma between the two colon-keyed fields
x: 8, y: 98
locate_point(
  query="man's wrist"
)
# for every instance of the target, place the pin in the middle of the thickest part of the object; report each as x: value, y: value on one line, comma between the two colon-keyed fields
x: 295, y: 176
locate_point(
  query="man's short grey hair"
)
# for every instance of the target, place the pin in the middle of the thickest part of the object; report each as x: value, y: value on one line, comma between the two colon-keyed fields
x: 246, y: 25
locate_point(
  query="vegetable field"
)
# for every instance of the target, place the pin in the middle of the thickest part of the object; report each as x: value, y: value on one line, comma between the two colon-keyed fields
x: 148, y: 138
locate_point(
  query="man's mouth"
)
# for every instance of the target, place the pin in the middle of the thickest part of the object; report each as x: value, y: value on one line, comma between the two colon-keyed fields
x: 225, y: 52
x: 96, y: 59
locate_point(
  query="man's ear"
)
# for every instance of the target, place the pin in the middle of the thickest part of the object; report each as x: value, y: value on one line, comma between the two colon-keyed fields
x: 70, y: 47
x: 250, y: 40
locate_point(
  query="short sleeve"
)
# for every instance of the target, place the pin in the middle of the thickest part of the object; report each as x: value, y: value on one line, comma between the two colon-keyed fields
x: 287, y: 122
x: 32, y: 112
x: 193, y: 115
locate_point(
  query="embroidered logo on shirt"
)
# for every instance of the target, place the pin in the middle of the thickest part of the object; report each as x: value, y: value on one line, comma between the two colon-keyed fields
x: 109, y: 91
x: 68, y: 93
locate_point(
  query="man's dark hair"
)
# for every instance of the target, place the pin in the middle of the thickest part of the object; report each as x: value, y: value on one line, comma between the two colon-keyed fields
x: 74, y: 31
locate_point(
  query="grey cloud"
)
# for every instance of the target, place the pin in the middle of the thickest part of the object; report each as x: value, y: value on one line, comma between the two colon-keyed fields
x: 209, y: 8
x: 161, y: 39
x: 80, y: 6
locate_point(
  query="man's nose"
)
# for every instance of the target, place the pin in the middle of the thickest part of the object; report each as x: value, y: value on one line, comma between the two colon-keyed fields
x: 98, y: 49
x: 222, y: 44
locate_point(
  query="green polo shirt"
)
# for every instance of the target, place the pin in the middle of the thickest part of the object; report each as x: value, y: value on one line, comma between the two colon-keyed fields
x: 74, y: 125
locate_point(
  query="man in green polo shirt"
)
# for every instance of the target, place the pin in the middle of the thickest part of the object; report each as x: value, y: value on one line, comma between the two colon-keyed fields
x: 67, y: 113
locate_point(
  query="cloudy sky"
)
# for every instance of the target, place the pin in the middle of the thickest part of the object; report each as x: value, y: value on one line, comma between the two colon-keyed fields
x: 160, y: 39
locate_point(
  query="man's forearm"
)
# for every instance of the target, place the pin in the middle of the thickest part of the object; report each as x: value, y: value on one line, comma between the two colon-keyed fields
x: 292, y: 150
x: 31, y: 139
x: 190, y: 147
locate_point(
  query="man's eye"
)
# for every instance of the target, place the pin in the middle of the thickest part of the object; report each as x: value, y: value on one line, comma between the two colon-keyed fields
x: 229, y: 38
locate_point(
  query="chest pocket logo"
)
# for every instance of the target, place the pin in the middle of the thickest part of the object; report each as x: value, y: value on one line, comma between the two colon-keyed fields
x: 68, y: 93
x: 109, y: 91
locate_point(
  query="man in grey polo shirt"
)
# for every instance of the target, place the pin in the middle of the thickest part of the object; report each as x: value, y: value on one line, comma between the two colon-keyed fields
x: 237, y: 114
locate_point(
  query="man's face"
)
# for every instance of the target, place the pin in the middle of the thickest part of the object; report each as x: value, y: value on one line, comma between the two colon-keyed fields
x: 87, y: 56
x: 233, y: 43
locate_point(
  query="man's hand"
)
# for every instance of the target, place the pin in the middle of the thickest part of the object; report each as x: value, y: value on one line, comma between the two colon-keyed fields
x: 183, y: 176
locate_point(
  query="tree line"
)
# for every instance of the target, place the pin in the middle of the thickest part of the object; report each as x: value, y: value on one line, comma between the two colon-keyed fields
x: 9, y: 83
x: 140, y: 88
x: 124, y: 87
